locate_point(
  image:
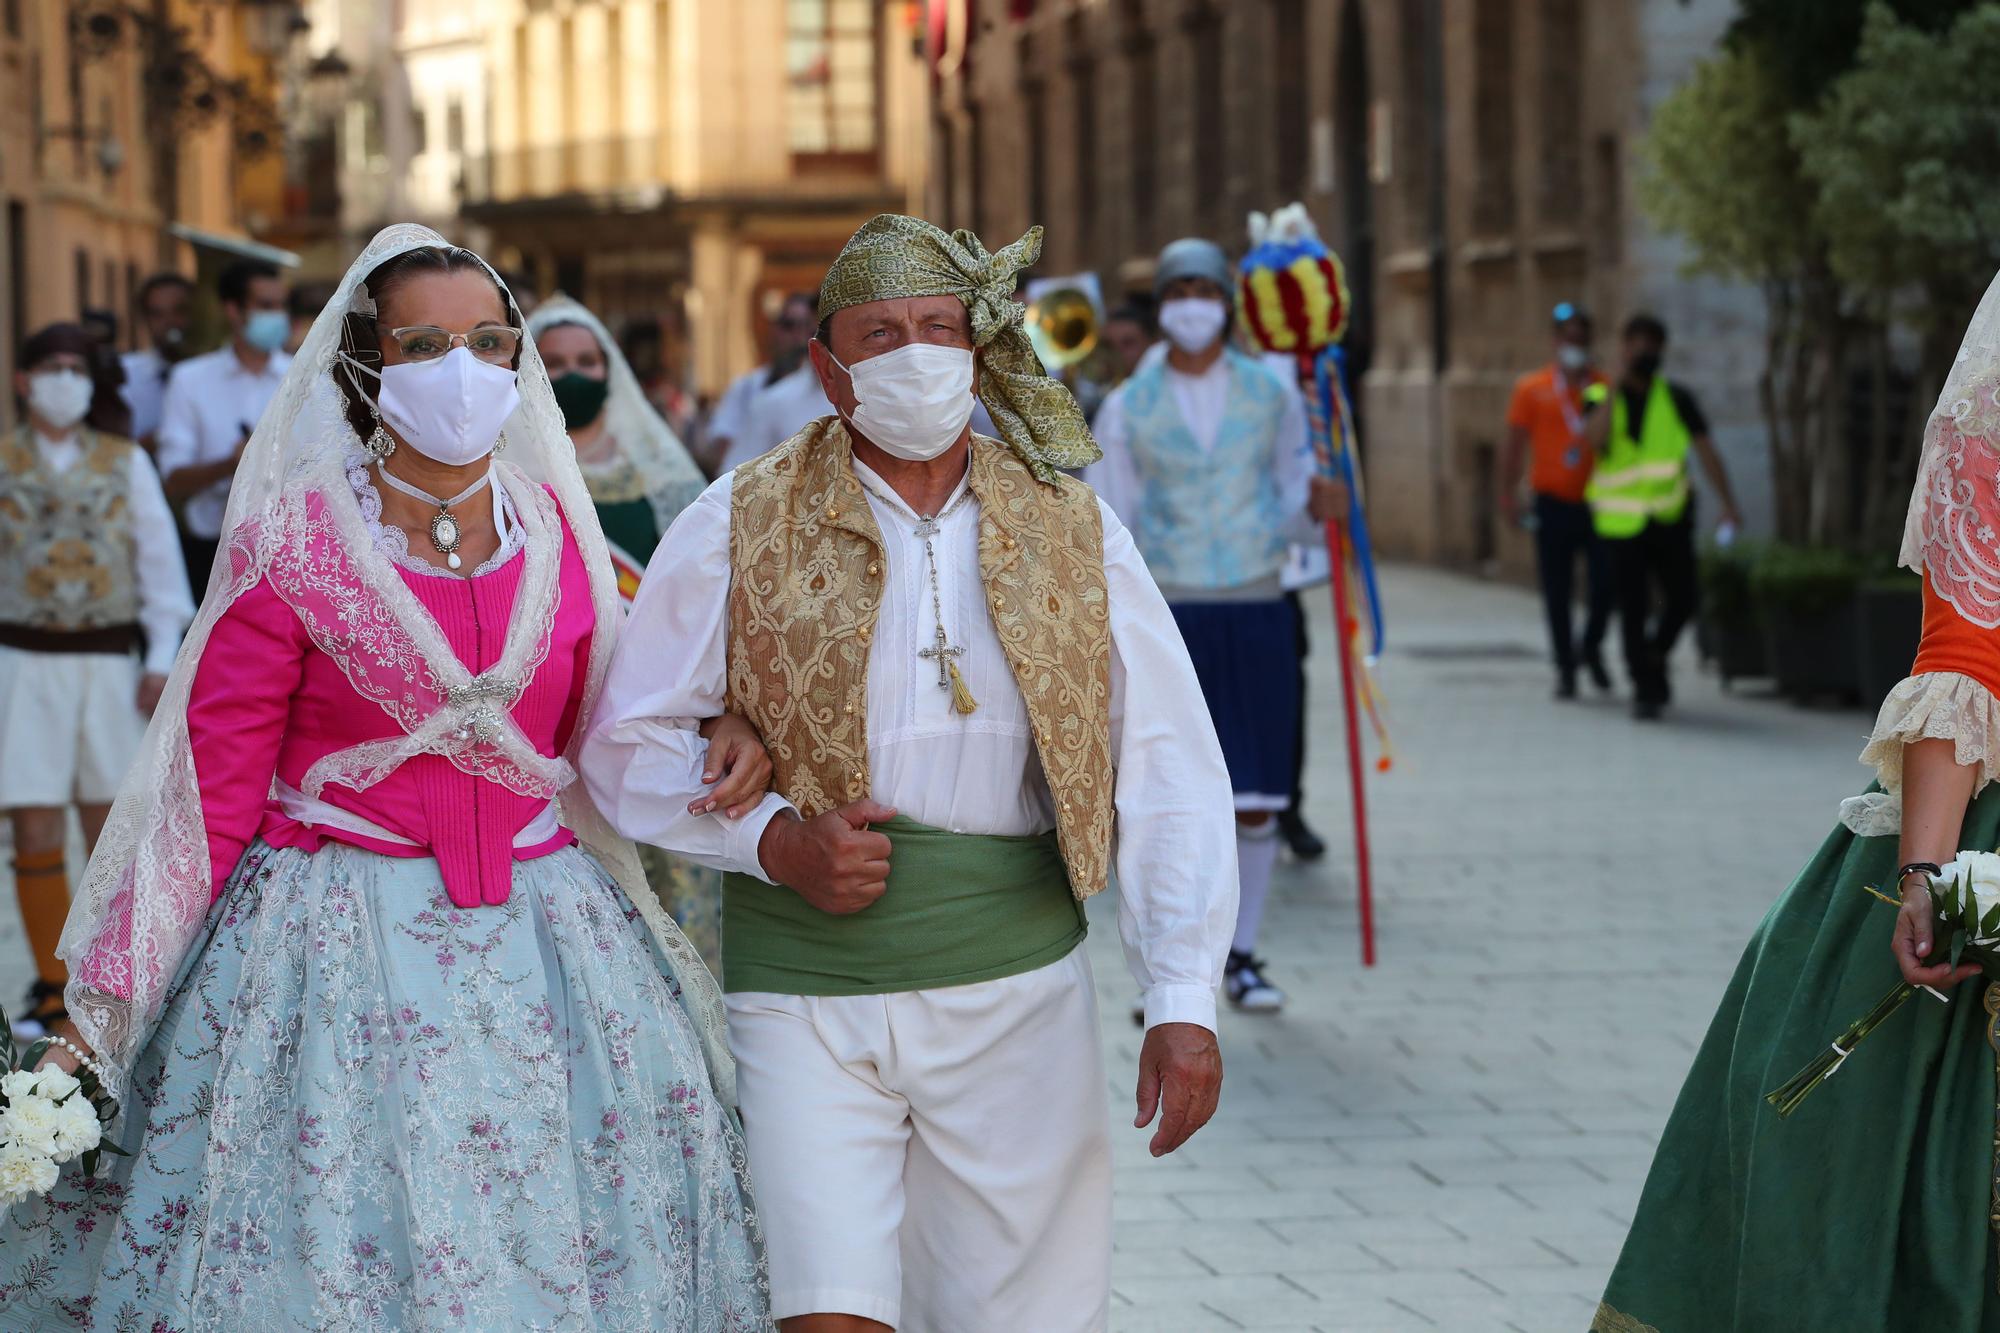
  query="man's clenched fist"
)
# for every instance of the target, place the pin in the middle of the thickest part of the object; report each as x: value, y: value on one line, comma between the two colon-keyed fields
x: 834, y: 861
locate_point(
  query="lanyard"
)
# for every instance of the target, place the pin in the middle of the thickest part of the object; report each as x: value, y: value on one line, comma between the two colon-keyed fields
x: 1571, y: 417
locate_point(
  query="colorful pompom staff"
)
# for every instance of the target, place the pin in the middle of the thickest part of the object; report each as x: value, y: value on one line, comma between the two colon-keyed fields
x: 1294, y: 301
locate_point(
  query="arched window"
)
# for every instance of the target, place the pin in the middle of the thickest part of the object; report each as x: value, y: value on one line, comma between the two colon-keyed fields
x: 1205, y: 34
x: 1493, y: 118
x: 1408, y: 143
x: 1142, y: 119
x: 1559, y: 195
x: 1291, y: 108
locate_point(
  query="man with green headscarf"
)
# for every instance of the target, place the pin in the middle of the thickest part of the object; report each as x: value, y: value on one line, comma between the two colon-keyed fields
x: 967, y: 681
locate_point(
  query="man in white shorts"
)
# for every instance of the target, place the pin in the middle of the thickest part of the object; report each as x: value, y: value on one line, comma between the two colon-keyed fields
x: 967, y: 681
x: 90, y: 576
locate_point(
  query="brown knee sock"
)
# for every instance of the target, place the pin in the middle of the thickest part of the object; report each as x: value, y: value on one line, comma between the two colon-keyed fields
x: 42, y: 884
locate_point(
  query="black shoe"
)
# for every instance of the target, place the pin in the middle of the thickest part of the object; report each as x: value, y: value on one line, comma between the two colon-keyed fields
x: 1305, y: 844
x: 1566, y: 686
x: 1244, y: 983
x: 1593, y: 663
x: 1648, y: 710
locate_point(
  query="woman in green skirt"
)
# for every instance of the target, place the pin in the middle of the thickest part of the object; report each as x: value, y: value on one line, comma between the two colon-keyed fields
x: 640, y: 478
x: 1874, y: 1206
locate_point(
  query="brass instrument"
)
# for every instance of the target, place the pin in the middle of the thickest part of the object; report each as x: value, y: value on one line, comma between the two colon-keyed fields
x: 1062, y: 323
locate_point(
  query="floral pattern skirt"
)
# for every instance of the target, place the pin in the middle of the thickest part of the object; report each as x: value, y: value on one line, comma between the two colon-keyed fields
x: 365, y: 1108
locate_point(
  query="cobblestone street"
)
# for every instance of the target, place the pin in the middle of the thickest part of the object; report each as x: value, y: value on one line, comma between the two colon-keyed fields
x: 1456, y: 1139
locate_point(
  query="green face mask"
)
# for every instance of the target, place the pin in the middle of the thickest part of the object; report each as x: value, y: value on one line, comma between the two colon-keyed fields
x: 580, y: 397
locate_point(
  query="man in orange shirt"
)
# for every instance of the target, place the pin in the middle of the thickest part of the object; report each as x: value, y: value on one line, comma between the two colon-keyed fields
x: 1545, y: 426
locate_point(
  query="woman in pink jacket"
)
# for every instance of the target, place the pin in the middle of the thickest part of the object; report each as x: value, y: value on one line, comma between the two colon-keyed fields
x: 401, y: 1038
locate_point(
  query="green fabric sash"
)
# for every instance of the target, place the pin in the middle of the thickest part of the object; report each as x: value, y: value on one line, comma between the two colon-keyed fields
x: 960, y: 908
x: 1868, y: 1209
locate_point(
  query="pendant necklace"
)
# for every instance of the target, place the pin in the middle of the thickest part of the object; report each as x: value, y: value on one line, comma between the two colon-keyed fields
x: 941, y: 651
x: 445, y: 531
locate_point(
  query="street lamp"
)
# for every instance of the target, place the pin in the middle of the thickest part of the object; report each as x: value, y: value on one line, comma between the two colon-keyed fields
x: 110, y: 152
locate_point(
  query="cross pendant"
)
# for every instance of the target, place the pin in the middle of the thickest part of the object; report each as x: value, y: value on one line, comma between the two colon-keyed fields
x: 943, y: 652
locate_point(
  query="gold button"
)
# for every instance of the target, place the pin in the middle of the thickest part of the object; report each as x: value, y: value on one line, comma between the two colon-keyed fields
x: 864, y: 634
x: 833, y: 513
x: 1007, y: 542
x: 874, y: 567
x: 847, y: 708
x: 998, y: 601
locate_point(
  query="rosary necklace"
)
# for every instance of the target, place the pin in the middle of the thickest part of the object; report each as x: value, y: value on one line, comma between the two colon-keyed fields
x: 445, y: 532
x: 941, y: 651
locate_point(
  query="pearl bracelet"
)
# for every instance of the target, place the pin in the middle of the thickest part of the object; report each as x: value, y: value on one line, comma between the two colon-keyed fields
x: 81, y: 1057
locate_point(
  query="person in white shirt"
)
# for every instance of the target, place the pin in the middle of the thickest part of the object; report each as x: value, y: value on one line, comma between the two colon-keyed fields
x: 1207, y: 459
x: 213, y: 403
x: 89, y: 572
x: 165, y: 302
x: 967, y: 683
x: 782, y: 395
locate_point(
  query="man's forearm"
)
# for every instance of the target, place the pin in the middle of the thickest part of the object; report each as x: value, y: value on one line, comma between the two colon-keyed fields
x: 183, y: 483
x: 1718, y: 476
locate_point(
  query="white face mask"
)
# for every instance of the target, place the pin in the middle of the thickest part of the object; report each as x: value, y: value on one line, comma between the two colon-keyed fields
x: 1571, y: 357
x: 60, y: 397
x: 449, y: 409
x: 1193, y: 322
x: 912, y: 403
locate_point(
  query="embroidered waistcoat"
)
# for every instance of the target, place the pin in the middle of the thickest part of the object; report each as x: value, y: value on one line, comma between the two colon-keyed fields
x: 1209, y: 519
x: 807, y: 577
x: 68, y: 560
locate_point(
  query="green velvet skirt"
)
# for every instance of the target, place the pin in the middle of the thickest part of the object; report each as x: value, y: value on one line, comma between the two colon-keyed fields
x: 1871, y: 1207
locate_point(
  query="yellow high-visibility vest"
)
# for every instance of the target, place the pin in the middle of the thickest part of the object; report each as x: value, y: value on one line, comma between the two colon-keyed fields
x: 1640, y: 481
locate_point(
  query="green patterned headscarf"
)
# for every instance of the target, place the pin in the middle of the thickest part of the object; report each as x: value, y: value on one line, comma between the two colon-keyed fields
x: 893, y: 256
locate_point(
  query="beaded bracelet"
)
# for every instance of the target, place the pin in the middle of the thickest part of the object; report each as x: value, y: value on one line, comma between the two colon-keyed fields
x: 81, y: 1058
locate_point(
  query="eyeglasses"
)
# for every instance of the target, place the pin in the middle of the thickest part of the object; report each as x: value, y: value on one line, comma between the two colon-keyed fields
x: 426, y: 342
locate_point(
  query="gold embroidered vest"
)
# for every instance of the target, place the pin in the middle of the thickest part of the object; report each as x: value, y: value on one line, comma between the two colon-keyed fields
x: 68, y: 560
x: 806, y: 585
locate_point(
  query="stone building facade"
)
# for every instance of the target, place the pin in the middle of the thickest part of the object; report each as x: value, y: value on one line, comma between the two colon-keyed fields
x: 1473, y: 161
x: 657, y: 156
x: 105, y: 176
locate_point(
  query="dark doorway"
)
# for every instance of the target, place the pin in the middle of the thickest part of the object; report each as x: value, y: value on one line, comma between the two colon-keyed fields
x: 1356, y: 193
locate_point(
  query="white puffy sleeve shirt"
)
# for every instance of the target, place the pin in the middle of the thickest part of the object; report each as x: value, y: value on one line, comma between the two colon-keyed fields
x: 1175, y: 827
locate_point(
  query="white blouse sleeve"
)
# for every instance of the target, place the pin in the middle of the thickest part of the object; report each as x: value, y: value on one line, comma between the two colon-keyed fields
x: 165, y: 603
x: 1176, y: 821
x: 1113, y: 476
x: 1938, y: 705
x: 643, y: 758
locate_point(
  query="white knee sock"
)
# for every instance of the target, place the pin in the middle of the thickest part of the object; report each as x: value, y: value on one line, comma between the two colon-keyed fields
x: 1256, y: 855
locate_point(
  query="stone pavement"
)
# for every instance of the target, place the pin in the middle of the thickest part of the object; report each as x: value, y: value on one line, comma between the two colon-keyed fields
x: 1455, y: 1140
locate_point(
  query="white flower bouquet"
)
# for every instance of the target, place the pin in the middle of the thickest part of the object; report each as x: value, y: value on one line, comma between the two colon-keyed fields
x: 47, y: 1118
x: 1965, y: 901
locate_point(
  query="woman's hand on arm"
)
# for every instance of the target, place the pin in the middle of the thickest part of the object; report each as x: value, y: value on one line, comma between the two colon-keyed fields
x: 1936, y: 790
x: 738, y: 766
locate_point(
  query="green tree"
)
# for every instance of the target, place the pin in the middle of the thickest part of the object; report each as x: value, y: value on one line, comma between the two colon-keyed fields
x: 1903, y: 154
x: 1722, y: 172
x: 1746, y: 162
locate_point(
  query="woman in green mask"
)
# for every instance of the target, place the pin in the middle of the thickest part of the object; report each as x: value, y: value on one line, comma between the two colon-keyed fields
x: 639, y: 474
x: 640, y: 478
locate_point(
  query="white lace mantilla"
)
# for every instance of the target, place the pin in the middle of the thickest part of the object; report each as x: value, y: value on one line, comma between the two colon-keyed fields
x: 1939, y: 705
